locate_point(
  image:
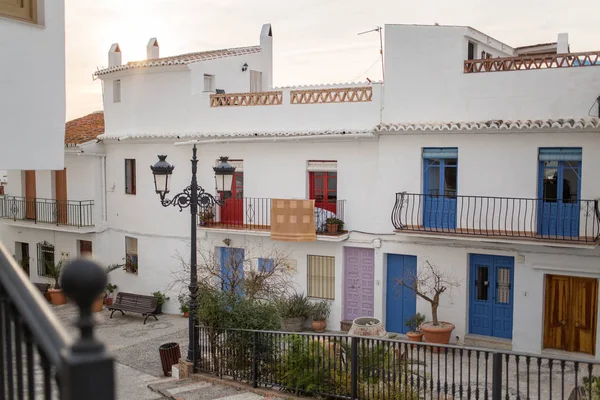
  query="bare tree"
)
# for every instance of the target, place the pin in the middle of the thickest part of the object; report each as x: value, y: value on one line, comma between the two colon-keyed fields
x: 429, y: 283
x: 241, y: 272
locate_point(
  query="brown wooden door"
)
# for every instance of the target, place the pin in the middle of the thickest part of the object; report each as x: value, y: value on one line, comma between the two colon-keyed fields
x: 85, y: 248
x: 30, y: 195
x: 60, y: 190
x: 570, y: 313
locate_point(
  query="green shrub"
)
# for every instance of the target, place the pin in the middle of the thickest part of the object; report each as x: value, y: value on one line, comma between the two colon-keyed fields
x: 592, y: 385
x: 414, y: 322
x: 162, y: 299
x: 336, y: 221
x: 320, y: 310
x: 294, y: 306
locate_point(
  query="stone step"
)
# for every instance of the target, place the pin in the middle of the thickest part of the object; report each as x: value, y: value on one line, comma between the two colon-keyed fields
x: 188, y: 389
x: 488, y: 342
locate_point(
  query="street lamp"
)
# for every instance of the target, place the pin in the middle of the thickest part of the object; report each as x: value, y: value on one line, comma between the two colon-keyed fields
x: 193, y: 197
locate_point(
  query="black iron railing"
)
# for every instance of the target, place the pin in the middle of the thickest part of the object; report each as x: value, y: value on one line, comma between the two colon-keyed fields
x: 254, y: 213
x: 345, y: 367
x: 38, y: 359
x: 572, y: 220
x: 49, y: 211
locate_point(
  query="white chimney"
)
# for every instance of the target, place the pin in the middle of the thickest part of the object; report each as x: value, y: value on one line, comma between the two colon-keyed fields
x: 562, y: 44
x: 266, y: 47
x: 152, y: 49
x: 114, y: 55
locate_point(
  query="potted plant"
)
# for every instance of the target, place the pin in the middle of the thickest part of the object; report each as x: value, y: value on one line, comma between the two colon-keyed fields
x: 57, y: 297
x: 161, y: 300
x: 184, y: 305
x: 320, y: 311
x: 429, y: 284
x: 294, y: 310
x: 109, y: 293
x: 207, y: 216
x: 334, y: 225
x: 414, y: 324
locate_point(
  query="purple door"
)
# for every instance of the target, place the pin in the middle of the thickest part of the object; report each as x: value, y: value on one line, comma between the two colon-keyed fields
x: 358, y: 282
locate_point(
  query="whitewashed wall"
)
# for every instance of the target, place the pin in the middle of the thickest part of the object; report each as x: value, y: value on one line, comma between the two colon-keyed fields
x: 425, y: 82
x: 32, y: 78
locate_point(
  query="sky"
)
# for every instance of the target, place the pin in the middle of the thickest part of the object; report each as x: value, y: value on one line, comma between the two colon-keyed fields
x: 315, y: 41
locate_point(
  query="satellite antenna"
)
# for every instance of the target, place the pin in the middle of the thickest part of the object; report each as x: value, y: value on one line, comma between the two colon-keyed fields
x: 378, y: 29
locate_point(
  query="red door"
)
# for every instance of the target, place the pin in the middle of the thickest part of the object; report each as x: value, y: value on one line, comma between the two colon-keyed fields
x: 232, y: 212
x: 323, y: 190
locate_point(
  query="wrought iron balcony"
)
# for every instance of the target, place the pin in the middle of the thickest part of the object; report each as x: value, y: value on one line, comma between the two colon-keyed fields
x: 48, y: 211
x: 254, y: 213
x: 538, y: 219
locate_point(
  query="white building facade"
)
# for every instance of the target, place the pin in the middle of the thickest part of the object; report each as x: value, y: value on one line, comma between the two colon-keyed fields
x: 476, y: 157
x: 32, y: 83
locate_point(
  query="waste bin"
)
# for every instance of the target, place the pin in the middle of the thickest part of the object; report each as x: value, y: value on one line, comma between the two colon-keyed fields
x: 169, y: 356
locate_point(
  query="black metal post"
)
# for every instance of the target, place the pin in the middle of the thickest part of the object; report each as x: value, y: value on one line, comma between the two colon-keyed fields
x: 497, y: 376
x: 354, y: 368
x: 254, y: 359
x: 194, y: 335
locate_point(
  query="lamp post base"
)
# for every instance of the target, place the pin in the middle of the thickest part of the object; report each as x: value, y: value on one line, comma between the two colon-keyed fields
x: 186, y: 368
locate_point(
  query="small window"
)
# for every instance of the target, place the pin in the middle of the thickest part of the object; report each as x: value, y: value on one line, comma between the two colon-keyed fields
x: 45, y: 257
x: 471, y: 51
x: 85, y: 248
x: 129, y: 176
x: 117, y: 91
x: 266, y: 265
x: 209, y: 83
x: 24, y: 10
x: 131, y: 255
x: 321, y: 277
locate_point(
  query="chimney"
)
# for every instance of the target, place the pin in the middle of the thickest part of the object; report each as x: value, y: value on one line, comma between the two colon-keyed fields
x: 114, y: 55
x: 152, y: 49
x: 266, y: 47
x: 562, y: 44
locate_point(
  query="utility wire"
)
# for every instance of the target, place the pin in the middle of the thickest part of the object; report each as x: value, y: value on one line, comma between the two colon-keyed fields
x: 368, y: 69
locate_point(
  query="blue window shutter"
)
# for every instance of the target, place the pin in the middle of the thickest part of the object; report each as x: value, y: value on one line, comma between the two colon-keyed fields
x: 560, y: 154
x: 266, y: 265
x: 440, y: 152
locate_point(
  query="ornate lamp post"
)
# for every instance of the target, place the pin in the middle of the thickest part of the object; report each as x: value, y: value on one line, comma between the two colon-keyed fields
x: 193, y: 197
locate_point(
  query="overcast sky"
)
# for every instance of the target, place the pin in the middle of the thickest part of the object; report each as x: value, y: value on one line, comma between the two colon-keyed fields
x: 315, y: 41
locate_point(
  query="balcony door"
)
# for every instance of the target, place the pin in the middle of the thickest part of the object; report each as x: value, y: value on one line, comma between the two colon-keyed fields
x: 440, y: 187
x: 559, y: 187
x: 232, y: 210
x: 30, y: 195
x: 60, y: 192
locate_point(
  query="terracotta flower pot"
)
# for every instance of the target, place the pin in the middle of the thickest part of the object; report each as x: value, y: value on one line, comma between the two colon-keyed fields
x: 437, y: 334
x: 108, y: 301
x: 415, y: 336
x: 97, y: 305
x: 186, y: 314
x: 57, y: 297
x: 332, y: 228
x: 319, y: 326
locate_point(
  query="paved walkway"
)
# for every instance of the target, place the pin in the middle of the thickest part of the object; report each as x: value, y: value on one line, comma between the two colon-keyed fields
x: 135, y: 347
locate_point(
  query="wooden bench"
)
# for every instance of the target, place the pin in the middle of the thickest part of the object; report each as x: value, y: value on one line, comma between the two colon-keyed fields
x: 136, y: 303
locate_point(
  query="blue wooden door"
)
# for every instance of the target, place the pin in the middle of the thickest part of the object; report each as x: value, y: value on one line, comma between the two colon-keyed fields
x: 440, y: 184
x: 559, y: 206
x: 491, y: 295
x: 232, y: 269
x: 401, y: 303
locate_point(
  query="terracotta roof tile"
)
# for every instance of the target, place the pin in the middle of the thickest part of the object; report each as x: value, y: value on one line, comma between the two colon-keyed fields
x: 84, y: 129
x: 182, y: 59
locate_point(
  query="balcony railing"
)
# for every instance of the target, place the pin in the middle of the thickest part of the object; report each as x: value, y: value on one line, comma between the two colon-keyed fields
x: 39, y: 358
x: 522, y: 63
x: 254, y: 213
x: 69, y: 213
x: 246, y: 99
x: 332, y: 95
x: 335, y: 366
x: 573, y: 220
